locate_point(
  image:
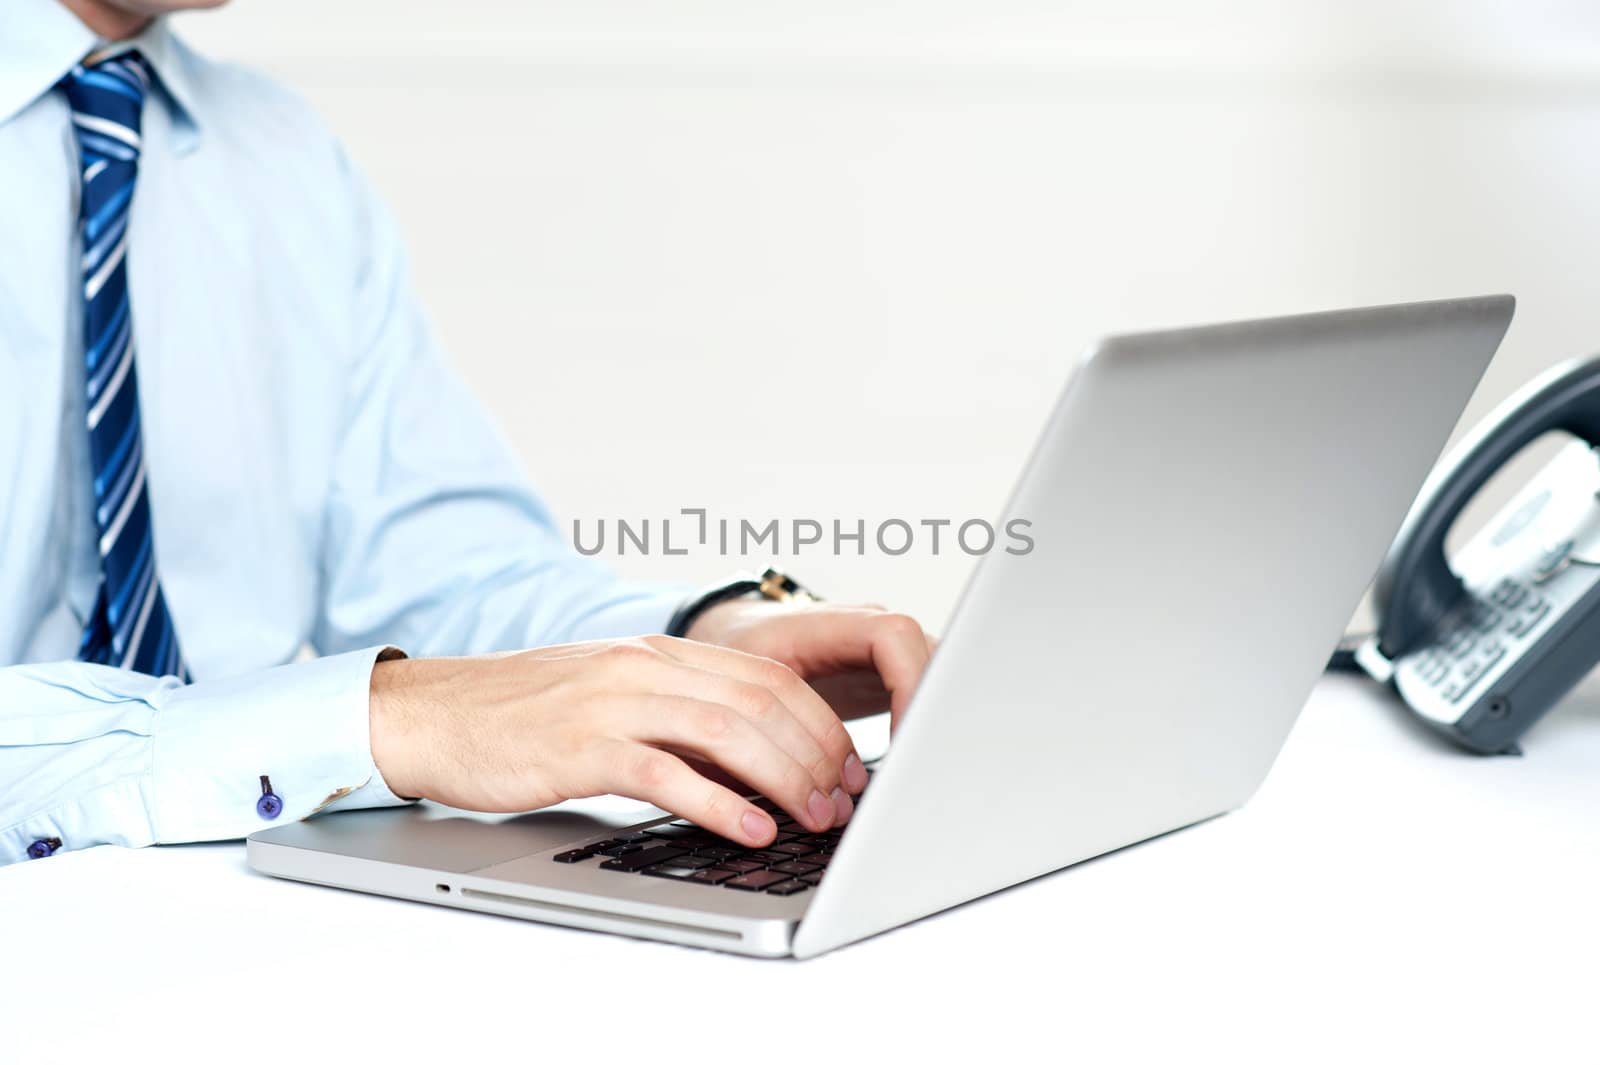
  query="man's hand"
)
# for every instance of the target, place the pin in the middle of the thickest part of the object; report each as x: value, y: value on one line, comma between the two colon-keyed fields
x: 671, y: 722
x: 862, y: 659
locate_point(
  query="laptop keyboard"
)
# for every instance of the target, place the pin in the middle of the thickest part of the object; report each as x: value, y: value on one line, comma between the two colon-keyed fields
x: 683, y: 851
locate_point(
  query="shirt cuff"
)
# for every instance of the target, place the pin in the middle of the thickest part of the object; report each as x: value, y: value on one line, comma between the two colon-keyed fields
x: 375, y: 792
x: 299, y: 731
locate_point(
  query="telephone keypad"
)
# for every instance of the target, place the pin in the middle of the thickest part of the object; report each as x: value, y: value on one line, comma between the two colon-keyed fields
x: 1477, y: 637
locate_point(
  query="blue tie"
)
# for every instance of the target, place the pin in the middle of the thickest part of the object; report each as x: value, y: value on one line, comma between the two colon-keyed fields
x: 130, y: 628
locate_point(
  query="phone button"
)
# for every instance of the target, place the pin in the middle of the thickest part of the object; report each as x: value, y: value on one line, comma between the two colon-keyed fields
x: 1528, y: 617
x: 1471, y: 671
x: 1475, y: 670
x: 1509, y: 594
x: 1486, y: 618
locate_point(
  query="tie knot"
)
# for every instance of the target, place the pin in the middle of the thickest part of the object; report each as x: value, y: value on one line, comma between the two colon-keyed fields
x: 107, y: 98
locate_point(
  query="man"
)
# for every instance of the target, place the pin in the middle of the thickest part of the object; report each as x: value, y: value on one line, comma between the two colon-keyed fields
x: 227, y: 435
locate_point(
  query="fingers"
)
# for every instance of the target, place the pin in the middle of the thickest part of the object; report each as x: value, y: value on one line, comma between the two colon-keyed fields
x: 767, y: 746
x: 830, y: 804
x: 825, y: 743
x: 661, y: 779
x: 853, y: 693
x: 899, y: 649
x: 722, y: 736
x: 892, y: 644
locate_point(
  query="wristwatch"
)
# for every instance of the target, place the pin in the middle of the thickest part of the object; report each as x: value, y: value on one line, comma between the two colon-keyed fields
x: 779, y: 587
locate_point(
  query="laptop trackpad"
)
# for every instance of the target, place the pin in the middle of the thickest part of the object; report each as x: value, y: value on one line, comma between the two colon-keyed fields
x: 437, y: 837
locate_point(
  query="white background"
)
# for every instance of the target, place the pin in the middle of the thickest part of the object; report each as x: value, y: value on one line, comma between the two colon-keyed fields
x: 833, y: 259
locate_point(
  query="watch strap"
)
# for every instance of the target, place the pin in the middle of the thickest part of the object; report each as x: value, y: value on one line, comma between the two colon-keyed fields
x: 771, y: 584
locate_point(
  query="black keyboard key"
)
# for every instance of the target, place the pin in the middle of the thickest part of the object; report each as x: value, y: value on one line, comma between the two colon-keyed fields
x: 795, y: 868
x: 812, y: 878
x: 798, y: 850
x: 641, y: 858
x: 767, y: 857
x: 633, y: 837
x: 716, y: 854
x: 711, y: 876
x: 759, y: 880
x: 668, y: 871
x: 792, y: 887
x: 689, y: 862
x: 672, y: 831
x: 574, y: 856
x: 739, y: 865
x: 765, y: 804
x: 596, y: 848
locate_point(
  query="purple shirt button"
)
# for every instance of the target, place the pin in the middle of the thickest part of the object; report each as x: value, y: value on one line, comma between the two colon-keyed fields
x: 43, y: 848
x: 269, y: 805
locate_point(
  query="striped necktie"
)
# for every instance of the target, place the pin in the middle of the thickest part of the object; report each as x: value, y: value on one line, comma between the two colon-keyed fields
x: 130, y: 628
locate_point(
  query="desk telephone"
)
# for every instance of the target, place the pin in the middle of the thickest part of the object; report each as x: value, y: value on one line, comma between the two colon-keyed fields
x: 1481, y: 644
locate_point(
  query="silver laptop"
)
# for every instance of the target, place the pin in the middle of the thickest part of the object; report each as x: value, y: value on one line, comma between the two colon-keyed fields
x: 1207, y: 507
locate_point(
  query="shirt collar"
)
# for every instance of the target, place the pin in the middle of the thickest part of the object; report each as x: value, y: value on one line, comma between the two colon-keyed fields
x: 40, y: 40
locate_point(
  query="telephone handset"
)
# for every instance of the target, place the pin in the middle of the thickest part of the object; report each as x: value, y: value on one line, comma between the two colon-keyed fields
x: 1481, y: 644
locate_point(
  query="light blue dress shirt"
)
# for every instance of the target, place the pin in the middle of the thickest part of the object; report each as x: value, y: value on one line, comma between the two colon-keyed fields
x: 319, y: 477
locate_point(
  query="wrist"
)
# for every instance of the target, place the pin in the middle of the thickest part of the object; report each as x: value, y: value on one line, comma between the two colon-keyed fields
x: 391, y: 724
x: 713, y: 624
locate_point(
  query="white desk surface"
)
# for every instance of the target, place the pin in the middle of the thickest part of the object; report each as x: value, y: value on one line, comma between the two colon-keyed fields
x: 1384, y: 897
